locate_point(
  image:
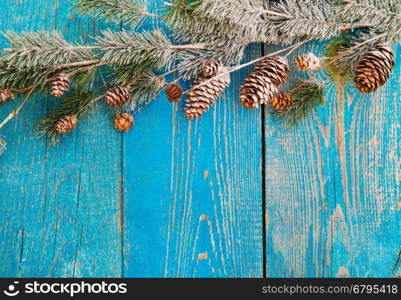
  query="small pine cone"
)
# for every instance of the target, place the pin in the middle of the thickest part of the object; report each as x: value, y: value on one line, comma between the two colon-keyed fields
x: 5, y: 94
x: 117, y: 96
x: 59, y: 85
x: 123, y: 122
x: 374, y: 69
x: 263, y: 83
x: 307, y: 62
x: 282, y: 101
x: 67, y: 124
x: 173, y: 92
x: 211, y: 68
x: 202, y: 97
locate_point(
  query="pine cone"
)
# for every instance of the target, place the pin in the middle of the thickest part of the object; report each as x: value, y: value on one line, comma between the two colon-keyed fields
x: 307, y: 62
x: 66, y: 124
x: 173, y: 92
x: 282, y: 101
x: 263, y: 83
x: 123, y: 122
x: 374, y: 69
x: 202, y: 97
x: 59, y: 85
x: 211, y: 68
x: 5, y: 94
x: 117, y: 96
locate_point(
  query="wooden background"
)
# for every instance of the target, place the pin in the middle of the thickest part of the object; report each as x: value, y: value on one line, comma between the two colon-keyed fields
x: 235, y: 194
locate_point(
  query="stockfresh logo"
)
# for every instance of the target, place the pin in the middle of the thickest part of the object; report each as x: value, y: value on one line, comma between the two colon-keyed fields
x: 69, y: 289
x: 12, y: 289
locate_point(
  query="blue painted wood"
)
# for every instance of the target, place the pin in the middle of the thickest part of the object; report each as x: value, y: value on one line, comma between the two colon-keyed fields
x: 59, y: 206
x: 333, y: 187
x: 184, y: 199
x: 193, y: 201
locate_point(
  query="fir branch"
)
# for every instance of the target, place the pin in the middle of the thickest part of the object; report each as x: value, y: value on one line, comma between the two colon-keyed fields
x: 31, y: 50
x: 78, y: 104
x: 306, y: 96
x: 130, y: 12
x: 3, y: 145
x: 145, y: 50
x: 383, y: 16
x: 192, y: 61
x: 144, y: 91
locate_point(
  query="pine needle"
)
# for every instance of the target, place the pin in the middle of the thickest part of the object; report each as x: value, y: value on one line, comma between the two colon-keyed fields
x: 78, y: 104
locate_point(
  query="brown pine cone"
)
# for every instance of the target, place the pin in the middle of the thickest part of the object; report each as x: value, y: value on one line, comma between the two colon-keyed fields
x: 307, y: 62
x: 173, y: 92
x: 66, y: 124
x: 374, y: 69
x: 211, y: 68
x: 202, y: 97
x: 282, y: 101
x: 59, y: 85
x: 123, y: 122
x: 5, y: 94
x: 263, y: 83
x: 117, y: 96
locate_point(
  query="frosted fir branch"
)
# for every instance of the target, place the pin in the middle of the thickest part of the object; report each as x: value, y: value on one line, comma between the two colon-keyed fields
x: 143, y: 51
x: 3, y: 145
x: 145, y: 90
x: 130, y: 12
x: 228, y: 53
x: 146, y: 49
x: 31, y: 50
x: 384, y: 16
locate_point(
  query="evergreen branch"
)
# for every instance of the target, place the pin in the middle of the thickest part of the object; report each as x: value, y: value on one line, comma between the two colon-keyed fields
x: 146, y: 49
x: 78, y: 104
x: 130, y: 12
x: 306, y: 96
x: 3, y: 145
x: 384, y: 16
x: 31, y: 50
x: 144, y: 91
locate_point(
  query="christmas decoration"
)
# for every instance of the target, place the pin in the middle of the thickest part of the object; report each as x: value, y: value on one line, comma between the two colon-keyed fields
x: 173, y: 92
x: 204, y: 95
x: 117, y: 96
x: 67, y: 124
x: 263, y: 83
x: 5, y: 94
x: 281, y: 101
x: 60, y: 84
x: 374, y: 69
x: 123, y: 122
x: 212, y: 35
x: 307, y: 62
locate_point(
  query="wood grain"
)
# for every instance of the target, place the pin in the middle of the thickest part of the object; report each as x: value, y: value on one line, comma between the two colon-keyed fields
x: 333, y: 187
x: 59, y: 206
x: 193, y: 204
x: 175, y: 198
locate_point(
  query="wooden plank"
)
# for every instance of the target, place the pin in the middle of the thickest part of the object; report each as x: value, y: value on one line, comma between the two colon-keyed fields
x: 333, y: 187
x: 193, y: 197
x: 59, y: 206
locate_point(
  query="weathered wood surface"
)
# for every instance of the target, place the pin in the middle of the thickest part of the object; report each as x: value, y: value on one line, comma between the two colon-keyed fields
x: 333, y: 187
x: 188, y: 199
